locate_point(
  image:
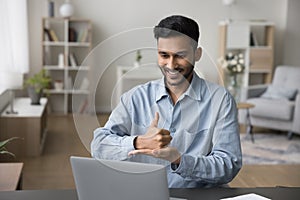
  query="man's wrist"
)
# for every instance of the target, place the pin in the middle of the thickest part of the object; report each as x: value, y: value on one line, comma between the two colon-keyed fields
x: 175, y: 164
x: 134, y: 142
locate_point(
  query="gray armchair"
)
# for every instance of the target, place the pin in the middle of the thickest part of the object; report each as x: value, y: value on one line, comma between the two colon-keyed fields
x: 277, y: 106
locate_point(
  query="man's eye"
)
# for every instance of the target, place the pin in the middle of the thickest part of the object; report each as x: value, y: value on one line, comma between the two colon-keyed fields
x: 181, y: 56
x: 164, y: 55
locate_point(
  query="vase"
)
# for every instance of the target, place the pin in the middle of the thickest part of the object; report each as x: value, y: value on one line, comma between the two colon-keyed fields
x: 233, y: 87
x: 66, y: 9
x: 34, y: 96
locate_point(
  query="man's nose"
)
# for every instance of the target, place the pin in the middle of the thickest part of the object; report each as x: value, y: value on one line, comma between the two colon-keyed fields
x: 172, y: 64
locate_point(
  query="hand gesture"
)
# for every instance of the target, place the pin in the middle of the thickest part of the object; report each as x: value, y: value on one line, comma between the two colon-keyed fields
x: 154, y: 138
x: 168, y: 153
x: 154, y: 143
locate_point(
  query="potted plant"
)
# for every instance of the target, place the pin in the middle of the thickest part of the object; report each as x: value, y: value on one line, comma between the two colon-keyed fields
x: 138, y: 58
x: 35, y: 86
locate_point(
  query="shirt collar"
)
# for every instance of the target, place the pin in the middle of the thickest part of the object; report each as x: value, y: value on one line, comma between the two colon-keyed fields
x: 193, y: 91
x: 161, y: 90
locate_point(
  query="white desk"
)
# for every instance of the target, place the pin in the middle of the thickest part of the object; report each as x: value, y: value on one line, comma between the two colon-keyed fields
x: 128, y: 77
x: 30, y: 124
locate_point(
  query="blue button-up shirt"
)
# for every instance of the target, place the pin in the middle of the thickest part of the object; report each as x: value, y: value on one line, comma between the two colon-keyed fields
x: 203, y: 124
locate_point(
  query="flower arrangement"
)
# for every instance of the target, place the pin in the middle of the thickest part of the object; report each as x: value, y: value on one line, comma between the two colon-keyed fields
x: 233, y: 63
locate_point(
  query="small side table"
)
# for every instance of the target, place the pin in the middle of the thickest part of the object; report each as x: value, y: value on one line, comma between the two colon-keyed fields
x: 10, y: 176
x: 247, y: 106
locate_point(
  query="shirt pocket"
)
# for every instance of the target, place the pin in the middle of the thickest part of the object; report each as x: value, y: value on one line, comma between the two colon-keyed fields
x: 138, y: 129
x: 193, y: 142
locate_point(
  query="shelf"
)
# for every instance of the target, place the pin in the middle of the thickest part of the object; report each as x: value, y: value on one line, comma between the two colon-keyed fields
x: 260, y: 48
x: 52, y: 43
x: 255, y: 40
x: 68, y: 42
x: 78, y: 68
x: 248, y: 22
x: 53, y: 91
x: 260, y: 71
x: 78, y: 44
x: 55, y: 67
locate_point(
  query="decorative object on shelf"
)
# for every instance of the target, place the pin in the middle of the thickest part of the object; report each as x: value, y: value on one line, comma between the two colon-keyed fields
x: 73, y: 60
x: 234, y: 64
x: 138, y: 58
x: 66, y: 9
x: 61, y: 60
x: 58, y: 85
x: 228, y: 2
x: 35, y: 86
x: 51, y: 8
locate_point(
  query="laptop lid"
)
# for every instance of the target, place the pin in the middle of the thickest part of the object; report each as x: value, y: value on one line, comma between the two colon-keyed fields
x: 111, y: 180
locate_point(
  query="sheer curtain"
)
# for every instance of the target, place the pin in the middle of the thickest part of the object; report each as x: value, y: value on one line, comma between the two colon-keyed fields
x: 14, y: 55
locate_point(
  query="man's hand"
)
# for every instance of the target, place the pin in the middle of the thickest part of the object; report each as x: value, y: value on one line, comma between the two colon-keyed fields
x: 169, y: 153
x: 155, y: 138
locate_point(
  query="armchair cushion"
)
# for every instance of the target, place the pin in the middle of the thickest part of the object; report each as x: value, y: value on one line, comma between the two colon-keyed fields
x: 280, y: 93
x: 272, y: 108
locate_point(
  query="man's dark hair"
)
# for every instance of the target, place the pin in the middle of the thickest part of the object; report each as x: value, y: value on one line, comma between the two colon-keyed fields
x: 176, y: 25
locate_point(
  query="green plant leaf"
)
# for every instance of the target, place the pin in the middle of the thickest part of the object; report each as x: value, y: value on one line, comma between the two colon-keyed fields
x: 7, y: 152
x: 38, y: 81
x: 3, y: 143
x: 3, y: 150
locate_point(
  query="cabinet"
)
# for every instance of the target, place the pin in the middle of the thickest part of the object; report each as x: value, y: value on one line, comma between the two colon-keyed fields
x: 65, y: 43
x: 253, y: 39
x: 30, y: 124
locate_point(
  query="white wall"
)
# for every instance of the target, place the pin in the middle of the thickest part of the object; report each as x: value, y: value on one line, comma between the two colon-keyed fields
x: 111, y: 17
x: 292, y: 34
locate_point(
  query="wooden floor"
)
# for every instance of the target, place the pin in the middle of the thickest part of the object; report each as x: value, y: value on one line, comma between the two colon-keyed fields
x: 52, y: 170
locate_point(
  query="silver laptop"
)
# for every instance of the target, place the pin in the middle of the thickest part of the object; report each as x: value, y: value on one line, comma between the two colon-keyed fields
x: 113, y: 180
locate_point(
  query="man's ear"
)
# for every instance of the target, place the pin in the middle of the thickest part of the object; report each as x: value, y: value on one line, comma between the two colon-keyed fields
x: 198, y: 53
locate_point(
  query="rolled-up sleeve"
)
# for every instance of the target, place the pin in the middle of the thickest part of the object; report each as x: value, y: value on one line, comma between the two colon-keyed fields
x: 113, y: 140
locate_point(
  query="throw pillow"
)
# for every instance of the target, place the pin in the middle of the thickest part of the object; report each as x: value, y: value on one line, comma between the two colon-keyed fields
x: 279, y: 93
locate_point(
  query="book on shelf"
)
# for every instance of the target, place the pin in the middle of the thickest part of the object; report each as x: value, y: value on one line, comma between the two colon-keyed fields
x: 72, y: 35
x: 48, y: 35
x: 73, y: 60
x: 51, y: 34
x: 82, y: 37
x: 253, y: 39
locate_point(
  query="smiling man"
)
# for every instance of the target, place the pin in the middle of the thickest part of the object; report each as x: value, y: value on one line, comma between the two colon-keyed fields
x: 182, y: 121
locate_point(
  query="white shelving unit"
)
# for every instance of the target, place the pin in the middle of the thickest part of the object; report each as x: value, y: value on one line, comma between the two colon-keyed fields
x: 72, y: 40
x: 254, y: 39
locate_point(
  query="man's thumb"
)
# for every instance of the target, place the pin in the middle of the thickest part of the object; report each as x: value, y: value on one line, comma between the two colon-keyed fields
x: 155, y: 120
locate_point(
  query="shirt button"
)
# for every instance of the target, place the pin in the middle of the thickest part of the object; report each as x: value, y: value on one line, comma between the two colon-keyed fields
x: 173, y: 129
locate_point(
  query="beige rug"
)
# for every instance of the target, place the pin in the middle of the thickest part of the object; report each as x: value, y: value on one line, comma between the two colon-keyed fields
x: 271, y: 148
